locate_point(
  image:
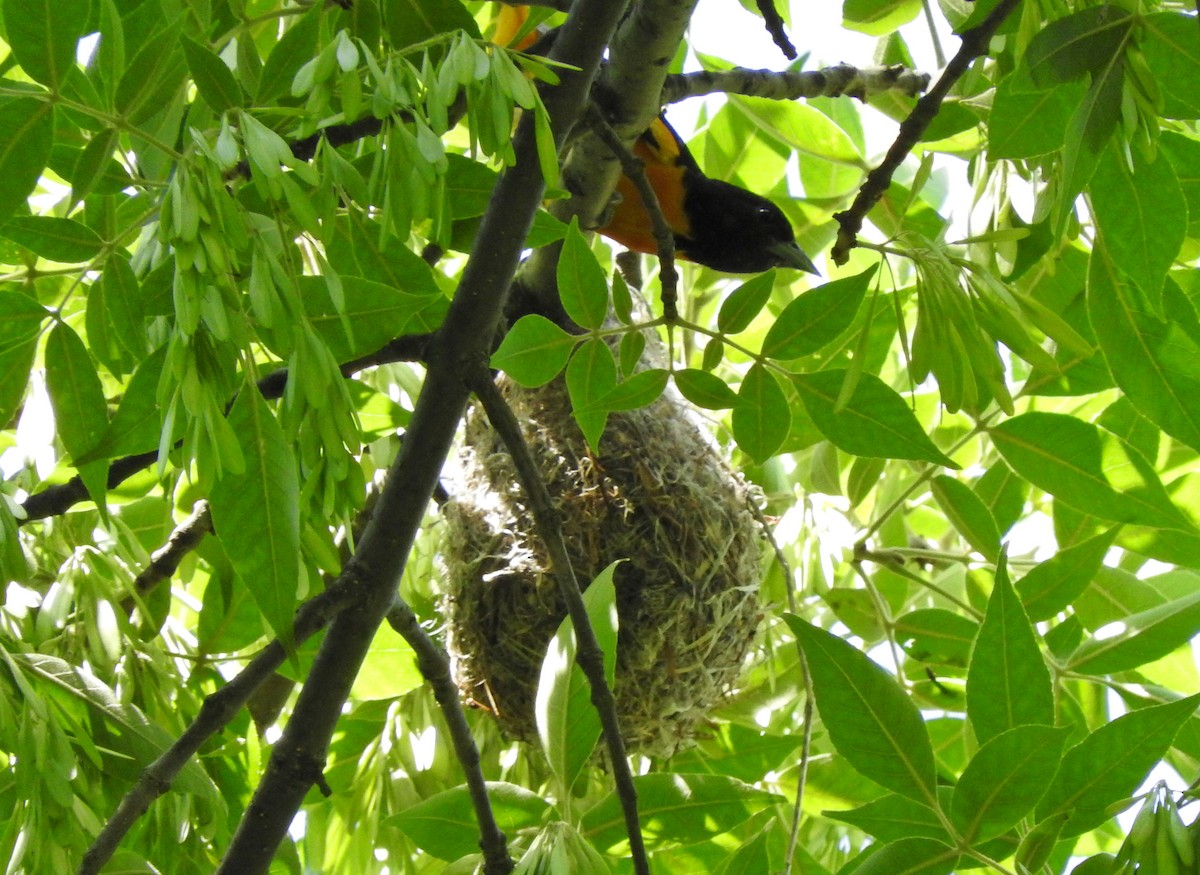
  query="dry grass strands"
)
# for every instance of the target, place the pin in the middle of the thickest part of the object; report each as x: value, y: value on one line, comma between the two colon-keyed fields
x: 659, y: 496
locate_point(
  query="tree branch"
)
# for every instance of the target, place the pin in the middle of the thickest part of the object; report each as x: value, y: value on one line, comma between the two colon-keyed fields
x: 589, y: 655
x: 635, y: 169
x: 774, y: 22
x: 836, y: 81
x: 975, y: 44
x: 216, y: 712
x: 463, y: 343
x: 163, y: 563
x: 434, y: 665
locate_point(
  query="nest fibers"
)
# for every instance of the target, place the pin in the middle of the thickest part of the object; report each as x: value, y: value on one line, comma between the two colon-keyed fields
x: 659, y: 496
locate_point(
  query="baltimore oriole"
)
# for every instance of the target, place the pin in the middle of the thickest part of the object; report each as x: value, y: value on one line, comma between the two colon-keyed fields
x: 714, y: 223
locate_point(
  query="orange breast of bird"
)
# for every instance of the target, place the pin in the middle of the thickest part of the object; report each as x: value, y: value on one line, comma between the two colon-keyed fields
x: 630, y: 223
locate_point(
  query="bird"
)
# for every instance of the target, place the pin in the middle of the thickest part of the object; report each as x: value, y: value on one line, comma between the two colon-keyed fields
x: 714, y: 223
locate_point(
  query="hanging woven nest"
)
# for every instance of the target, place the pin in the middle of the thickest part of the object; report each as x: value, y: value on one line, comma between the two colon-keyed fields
x: 657, y: 495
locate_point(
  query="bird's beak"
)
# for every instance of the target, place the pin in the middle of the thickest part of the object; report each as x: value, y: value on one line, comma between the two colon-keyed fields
x: 791, y: 255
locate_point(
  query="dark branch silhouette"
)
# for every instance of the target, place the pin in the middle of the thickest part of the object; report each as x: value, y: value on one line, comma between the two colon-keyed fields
x: 588, y: 653
x: 975, y: 44
x: 462, y: 344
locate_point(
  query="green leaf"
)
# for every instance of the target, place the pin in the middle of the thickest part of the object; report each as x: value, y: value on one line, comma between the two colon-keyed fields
x: 1077, y: 44
x: 878, y: 17
x: 57, y: 239
x: 1003, y: 492
x: 389, y: 669
x: 745, y: 302
x: 1089, y: 130
x: 1142, y: 217
x: 1115, y: 594
x: 123, y: 305
x: 1144, y: 637
x: 135, y: 427
x: 94, y: 162
x: 412, y: 21
x: 568, y: 725
x: 817, y: 317
x: 936, y: 636
x: 534, y: 351
x: 1008, y: 683
x: 355, y: 250
x: 967, y: 513
x: 676, y: 809
x: 256, y: 514
x: 640, y: 390
x: 15, y: 365
x: 26, y: 137
x: 704, y: 389
x: 1024, y: 123
x: 80, y: 412
x: 737, y: 751
x: 42, y: 35
x: 761, y: 417
x: 911, y: 856
x: 751, y: 858
x: 445, y: 826
x: 591, y: 374
x: 1156, y: 362
x: 214, y: 80
x: 370, y: 315
x: 871, y: 721
x: 153, y: 77
x: 1039, y: 843
x: 1111, y: 763
x: 875, y: 422
x: 295, y: 48
x: 1005, y: 779
x: 582, y: 286
x: 21, y: 319
x: 893, y: 817
x: 1171, y: 45
x: 1051, y: 586
x: 135, y: 735
x: 1077, y: 463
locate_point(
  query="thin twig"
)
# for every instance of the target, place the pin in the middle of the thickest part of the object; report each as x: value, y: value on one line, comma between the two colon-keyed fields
x: 806, y: 743
x: 774, y: 22
x: 434, y: 665
x: 938, y: 52
x: 664, y: 238
x: 589, y: 655
x: 163, y: 563
x: 975, y: 43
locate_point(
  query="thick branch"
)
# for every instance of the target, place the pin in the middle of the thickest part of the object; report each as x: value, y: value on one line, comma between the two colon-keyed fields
x: 462, y: 344
x: 975, y: 44
x: 588, y: 653
x: 836, y: 81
